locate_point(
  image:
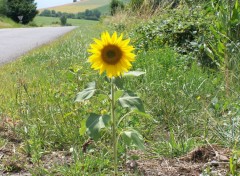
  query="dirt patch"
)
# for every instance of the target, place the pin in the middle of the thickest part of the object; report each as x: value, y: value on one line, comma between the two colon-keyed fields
x: 14, y: 161
x: 211, y: 159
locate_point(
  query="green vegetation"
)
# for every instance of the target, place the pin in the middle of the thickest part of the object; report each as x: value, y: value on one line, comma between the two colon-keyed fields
x: 8, y: 23
x: 63, y: 20
x: 21, y: 10
x: 2, y: 7
x: 116, y: 5
x: 54, y: 21
x: 190, y: 91
x: 88, y: 14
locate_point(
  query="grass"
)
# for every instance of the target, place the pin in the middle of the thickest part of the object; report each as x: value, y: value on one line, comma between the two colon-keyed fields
x: 43, y: 89
x: 80, y: 6
x: 8, y: 23
x: 70, y: 51
x: 54, y: 21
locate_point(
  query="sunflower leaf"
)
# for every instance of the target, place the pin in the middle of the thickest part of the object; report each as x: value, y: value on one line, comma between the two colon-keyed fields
x: 117, y: 94
x: 134, y: 73
x: 132, y: 101
x: 118, y: 81
x: 86, y: 93
x: 132, y: 137
x: 95, y: 123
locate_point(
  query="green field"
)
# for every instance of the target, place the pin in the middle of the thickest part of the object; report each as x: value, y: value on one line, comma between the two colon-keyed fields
x: 53, y: 21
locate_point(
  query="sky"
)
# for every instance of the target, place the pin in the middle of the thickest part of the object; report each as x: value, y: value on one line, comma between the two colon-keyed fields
x: 51, y: 3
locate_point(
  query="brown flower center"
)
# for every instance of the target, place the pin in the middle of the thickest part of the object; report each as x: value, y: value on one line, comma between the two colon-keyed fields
x: 111, y: 54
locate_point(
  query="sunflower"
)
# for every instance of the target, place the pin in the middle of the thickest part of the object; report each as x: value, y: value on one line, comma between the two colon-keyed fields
x: 111, y: 54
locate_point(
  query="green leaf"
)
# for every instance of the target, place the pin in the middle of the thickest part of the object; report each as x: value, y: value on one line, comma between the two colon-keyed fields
x: 118, y: 81
x: 95, y: 123
x: 235, y: 13
x: 209, y: 52
x: 134, y: 73
x: 132, y: 101
x: 131, y: 136
x: 83, y: 128
x: 117, y: 94
x: 86, y: 93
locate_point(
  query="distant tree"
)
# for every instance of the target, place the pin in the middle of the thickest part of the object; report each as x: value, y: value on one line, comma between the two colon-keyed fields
x: 53, y: 13
x: 59, y: 14
x: 88, y: 12
x: 63, y: 20
x: 80, y: 15
x: 74, y: 0
x: 115, y: 5
x: 46, y: 13
x: 97, y: 13
x: 25, y: 8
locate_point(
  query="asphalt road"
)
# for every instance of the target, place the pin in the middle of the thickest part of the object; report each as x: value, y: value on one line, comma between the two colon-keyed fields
x: 16, y: 42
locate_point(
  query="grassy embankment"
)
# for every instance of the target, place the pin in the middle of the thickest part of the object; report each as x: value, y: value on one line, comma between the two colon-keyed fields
x: 8, y: 23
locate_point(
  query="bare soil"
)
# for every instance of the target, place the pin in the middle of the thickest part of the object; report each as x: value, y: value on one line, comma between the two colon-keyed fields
x: 211, y: 159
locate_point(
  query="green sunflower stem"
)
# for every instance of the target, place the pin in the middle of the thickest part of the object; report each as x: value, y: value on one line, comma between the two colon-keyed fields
x: 114, y: 130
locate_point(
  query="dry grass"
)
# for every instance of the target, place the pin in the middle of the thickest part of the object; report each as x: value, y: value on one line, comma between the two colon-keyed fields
x: 127, y: 18
x: 79, y: 6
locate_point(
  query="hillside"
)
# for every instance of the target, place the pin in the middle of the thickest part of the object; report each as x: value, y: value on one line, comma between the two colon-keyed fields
x: 80, y: 6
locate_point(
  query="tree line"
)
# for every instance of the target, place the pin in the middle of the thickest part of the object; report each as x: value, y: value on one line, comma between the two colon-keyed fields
x: 88, y: 14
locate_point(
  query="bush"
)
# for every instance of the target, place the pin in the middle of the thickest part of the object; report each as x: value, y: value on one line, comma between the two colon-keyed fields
x: 181, y: 29
x: 63, y: 20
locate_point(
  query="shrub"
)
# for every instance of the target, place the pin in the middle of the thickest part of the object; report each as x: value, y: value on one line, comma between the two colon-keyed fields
x: 181, y: 29
x: 63, y: 20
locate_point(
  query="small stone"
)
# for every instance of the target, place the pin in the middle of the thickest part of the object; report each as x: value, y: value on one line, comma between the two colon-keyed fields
x: 132, y: 164
x: 214, y: 163
x: 223, y: 158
